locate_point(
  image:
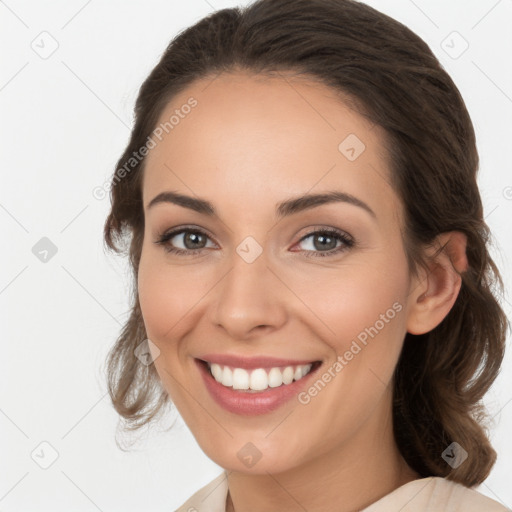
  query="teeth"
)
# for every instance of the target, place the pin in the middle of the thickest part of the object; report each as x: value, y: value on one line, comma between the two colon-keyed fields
x: 275, y: 377
x: 227, y: 376
x: 288, y: 375
x: 258, y: 379
x: 217, y: 372
x: 240, y: 378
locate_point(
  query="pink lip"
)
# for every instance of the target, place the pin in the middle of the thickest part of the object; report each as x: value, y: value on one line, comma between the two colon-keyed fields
x: 248, y: 403
x: 250, y: 363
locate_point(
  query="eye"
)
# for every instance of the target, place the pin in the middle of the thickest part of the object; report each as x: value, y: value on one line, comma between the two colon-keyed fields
x: 326, y: 242
x: 191, y: 240
x: 320, y: 243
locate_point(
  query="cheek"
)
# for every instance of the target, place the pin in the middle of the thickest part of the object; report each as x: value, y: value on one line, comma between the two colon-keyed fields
x: 363, y: 309
x: 366, y: 310
x: 168, y: 295
x: 356, y: 298
x: 158, y: 306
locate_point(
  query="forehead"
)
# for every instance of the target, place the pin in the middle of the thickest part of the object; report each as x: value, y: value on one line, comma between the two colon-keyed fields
x: 257, y: 137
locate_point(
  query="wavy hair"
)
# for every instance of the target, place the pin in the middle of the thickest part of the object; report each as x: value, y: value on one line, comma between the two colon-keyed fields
x: 390, y: 74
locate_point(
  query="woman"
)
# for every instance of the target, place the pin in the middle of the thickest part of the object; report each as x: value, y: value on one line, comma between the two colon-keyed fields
x: 313, y: 284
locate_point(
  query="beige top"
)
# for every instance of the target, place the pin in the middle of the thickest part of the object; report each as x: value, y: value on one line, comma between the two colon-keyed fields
x: 431, y: 494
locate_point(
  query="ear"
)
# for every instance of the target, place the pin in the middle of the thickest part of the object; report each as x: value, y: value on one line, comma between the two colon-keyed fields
x: 435, y: 290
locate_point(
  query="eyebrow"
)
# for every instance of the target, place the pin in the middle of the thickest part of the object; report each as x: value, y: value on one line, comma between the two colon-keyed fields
x: 286, y: 208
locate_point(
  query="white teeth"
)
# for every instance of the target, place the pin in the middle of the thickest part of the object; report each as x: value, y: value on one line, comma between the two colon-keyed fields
x: 227, y: 376
x: 216, y: 372
x: 288, y: 375
x: 240, y: 378
x: 275, y: 377
x: 258, y: 379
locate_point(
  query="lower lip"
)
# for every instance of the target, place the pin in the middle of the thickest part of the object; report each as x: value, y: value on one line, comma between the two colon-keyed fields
x: 251, y: 403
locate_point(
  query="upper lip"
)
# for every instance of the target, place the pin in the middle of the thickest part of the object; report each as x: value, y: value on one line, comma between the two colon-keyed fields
x: 238, y: 361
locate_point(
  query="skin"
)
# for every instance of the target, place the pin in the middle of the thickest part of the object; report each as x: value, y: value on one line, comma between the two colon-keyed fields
x: 268, y: 140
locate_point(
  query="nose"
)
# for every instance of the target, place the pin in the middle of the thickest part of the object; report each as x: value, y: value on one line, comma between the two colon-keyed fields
x: 249, y: 300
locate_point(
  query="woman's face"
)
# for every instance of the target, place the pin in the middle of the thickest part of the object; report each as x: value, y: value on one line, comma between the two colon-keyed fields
x: 263, y: 286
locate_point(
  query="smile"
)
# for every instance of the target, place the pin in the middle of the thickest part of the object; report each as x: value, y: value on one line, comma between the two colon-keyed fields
x: 254, y: 386
x: 258, y: 379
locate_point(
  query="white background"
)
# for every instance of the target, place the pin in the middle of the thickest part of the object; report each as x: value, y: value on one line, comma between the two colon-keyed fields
x: 64, y: 122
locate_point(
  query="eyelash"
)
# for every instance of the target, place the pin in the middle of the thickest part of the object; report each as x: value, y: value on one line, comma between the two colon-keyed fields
x: 348, y: 242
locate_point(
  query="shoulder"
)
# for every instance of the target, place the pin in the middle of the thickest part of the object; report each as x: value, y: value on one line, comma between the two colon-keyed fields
x: 436, y: 494
x: 210, y: 498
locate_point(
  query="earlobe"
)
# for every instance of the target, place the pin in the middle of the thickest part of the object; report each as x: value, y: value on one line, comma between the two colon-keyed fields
x: 437, y: 289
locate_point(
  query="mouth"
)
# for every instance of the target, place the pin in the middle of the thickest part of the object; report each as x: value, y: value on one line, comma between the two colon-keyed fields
x: 258, y: 379
x: 254, y: 386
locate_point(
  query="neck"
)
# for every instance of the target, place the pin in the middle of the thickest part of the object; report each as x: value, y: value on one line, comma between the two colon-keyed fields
x: 349, y: 477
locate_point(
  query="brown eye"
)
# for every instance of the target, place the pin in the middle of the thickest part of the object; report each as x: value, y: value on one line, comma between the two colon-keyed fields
x: 184, y: 241
x: 193, y: 240
x: 326, y: 242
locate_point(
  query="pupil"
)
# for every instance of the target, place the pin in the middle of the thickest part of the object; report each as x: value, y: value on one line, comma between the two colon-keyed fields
x: 193, y: 238
x: 325, y: 245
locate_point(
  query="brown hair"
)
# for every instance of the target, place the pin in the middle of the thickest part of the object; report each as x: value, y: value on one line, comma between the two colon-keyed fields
x: 396, y: 82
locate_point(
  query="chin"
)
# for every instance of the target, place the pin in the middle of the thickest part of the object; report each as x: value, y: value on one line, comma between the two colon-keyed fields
x: 256, y: 456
